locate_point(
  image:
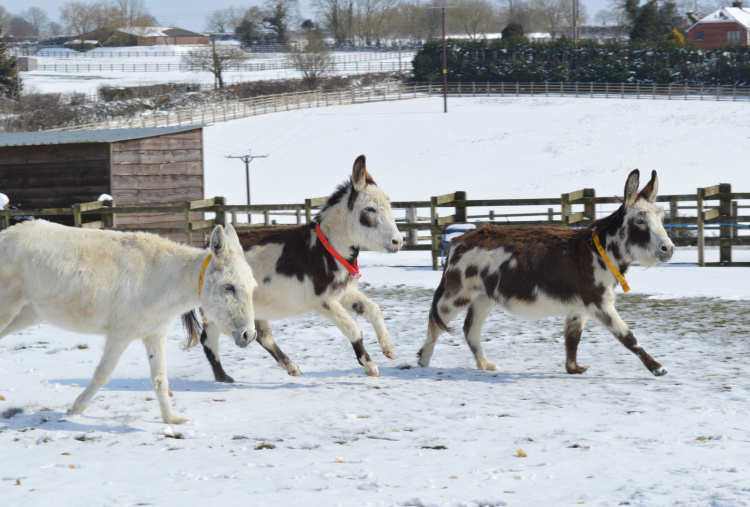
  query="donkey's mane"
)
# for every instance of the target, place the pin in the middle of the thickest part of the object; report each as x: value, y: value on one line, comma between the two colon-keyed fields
x: 338, y: 195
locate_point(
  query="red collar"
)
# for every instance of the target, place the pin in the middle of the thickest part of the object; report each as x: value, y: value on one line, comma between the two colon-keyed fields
x: 353, y: 270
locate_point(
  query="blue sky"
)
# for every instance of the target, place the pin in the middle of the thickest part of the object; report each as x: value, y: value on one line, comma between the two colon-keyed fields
x: 191, y: 14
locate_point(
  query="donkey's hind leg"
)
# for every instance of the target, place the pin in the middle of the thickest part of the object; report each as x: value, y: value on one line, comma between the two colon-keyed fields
x: 26, y: 318
x: 265, y: 338
x: 210, y: 342
x: 478, y: 311
x: 443, y: 310
x: 356, y: 302
x: 10, y: 311
x: 574, y: 324
x: 113, y: 349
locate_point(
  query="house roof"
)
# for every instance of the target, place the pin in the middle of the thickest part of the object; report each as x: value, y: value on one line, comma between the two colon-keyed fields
x: 158, y: 31
x: 728, y: 15
x: 87, y: 136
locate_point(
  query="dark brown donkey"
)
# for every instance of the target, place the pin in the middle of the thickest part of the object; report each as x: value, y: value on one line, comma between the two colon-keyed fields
x: 537, y: 272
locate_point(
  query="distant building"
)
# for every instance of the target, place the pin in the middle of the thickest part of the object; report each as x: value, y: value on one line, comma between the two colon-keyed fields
x: 145, y: 36
x: 728, y: 25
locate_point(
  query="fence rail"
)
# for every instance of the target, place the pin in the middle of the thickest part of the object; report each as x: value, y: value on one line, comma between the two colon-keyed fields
x: 243, y: 108
x: 343, y: 66
x: 713, y: 216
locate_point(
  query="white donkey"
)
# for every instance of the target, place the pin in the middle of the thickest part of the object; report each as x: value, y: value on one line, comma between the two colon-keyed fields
x: 313, y: 268
x: 124, y: 286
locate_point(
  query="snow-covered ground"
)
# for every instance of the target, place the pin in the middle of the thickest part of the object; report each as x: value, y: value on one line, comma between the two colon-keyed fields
x: 76, y: 73
x: 447, y: 435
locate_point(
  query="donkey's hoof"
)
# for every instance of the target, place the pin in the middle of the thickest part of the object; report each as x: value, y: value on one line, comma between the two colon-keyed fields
x: 225, y: 379
x: 576, y: 370
x: 294, y: 373
x: 373, y: 372
x: 175, y: 420
x: 659, y: 372
x: 390, y: 354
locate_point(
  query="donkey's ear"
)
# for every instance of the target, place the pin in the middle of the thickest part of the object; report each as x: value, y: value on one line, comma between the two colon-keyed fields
x: 631, y: 188
x: 232, y: 237
x: 650, y: 190
x: 218, y: 241
x: 360, y: 176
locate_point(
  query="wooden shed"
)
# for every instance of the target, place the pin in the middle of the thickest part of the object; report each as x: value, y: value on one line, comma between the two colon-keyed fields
x: 137, y: 167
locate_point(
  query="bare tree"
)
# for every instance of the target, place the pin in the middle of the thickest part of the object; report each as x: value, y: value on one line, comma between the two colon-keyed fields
x: 131, y: 13
x: 556, y: 16
x: 337, y: 17
x: 216, y: 59
x: 279, y: 15
x: 372, y: 15
x: 80, y: 18
x: 475, y: 18
x: 4, y: 19
x: 226, y: 20
x: 314, y: 60
x: 37, y: 18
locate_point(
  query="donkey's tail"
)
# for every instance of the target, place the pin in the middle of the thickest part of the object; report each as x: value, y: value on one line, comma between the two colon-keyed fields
x: 193, y: 329
x: 436, y: 322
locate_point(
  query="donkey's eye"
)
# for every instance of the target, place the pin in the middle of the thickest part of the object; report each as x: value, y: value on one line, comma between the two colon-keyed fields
x: 229, y: 288
x: 370, y: 209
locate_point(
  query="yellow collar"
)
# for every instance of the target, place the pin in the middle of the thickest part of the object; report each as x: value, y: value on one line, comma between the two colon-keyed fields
x: 203, y: 273
x: 620, y: 279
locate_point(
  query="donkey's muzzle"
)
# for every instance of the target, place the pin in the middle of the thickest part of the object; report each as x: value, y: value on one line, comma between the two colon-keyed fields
x: 666, y: 250
x: 244, y: 338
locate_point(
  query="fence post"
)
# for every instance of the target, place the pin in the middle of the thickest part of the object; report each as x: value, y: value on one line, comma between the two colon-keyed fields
x: 77, y: 222
x: 221, y: 215
x: 434, y: 231
x: 109, y: 219
x: 701, y: 239
x: 460, y: 206
x: 411, y: 217
x: 589, y: 204
x: 725, y: 231
x: 564, y: 209
x: 188, y: 223
x: 308, y: 210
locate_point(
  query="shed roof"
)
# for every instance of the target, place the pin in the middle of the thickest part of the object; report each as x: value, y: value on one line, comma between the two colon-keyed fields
x: 727, y: 15
x: 87, y: 136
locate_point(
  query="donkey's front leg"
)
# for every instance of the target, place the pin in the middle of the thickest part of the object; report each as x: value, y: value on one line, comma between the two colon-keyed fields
x: 574, y: 325
x: 156, y: 348
x: 335, y: 312
x: 113, y: 349
x: 210, y: 342
x: 265, y: 338
x: 356, y: 302
x: 609, y: 318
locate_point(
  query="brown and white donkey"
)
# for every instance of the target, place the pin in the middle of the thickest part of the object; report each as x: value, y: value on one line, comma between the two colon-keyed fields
x: 536, y: 272
x: 313, y: 268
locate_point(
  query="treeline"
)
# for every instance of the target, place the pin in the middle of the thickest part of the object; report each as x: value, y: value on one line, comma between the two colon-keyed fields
x: 583, y: 61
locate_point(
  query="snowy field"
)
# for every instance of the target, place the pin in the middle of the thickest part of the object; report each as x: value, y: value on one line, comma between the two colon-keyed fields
x: 447, y: 435
x: 86, y: 72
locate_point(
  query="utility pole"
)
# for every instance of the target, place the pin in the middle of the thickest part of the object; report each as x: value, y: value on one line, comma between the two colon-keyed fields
x: 247, y: 159
x: 445, y: 60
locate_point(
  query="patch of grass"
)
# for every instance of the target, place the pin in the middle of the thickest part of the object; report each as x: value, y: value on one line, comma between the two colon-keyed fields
x: 86, y: 438
x: 435, y: 447
x: 264, y: 445
x: 82, y: 346
x: 12, y: 412
x: 176, y: 436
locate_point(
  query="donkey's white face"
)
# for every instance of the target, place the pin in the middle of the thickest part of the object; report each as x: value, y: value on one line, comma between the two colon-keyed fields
x: 366, y: 214
x: 228, y: 285
x: 642, y: 232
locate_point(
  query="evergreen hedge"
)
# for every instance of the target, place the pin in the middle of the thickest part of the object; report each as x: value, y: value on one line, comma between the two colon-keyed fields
x: 583, y: 61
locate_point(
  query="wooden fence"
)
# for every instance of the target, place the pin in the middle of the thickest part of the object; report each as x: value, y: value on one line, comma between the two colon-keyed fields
x: 713, y: 216
x: 234, y: 109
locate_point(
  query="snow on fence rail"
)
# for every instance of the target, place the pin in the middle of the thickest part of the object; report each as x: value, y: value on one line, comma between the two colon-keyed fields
x: 243, y: 108
x: 710, y: 217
